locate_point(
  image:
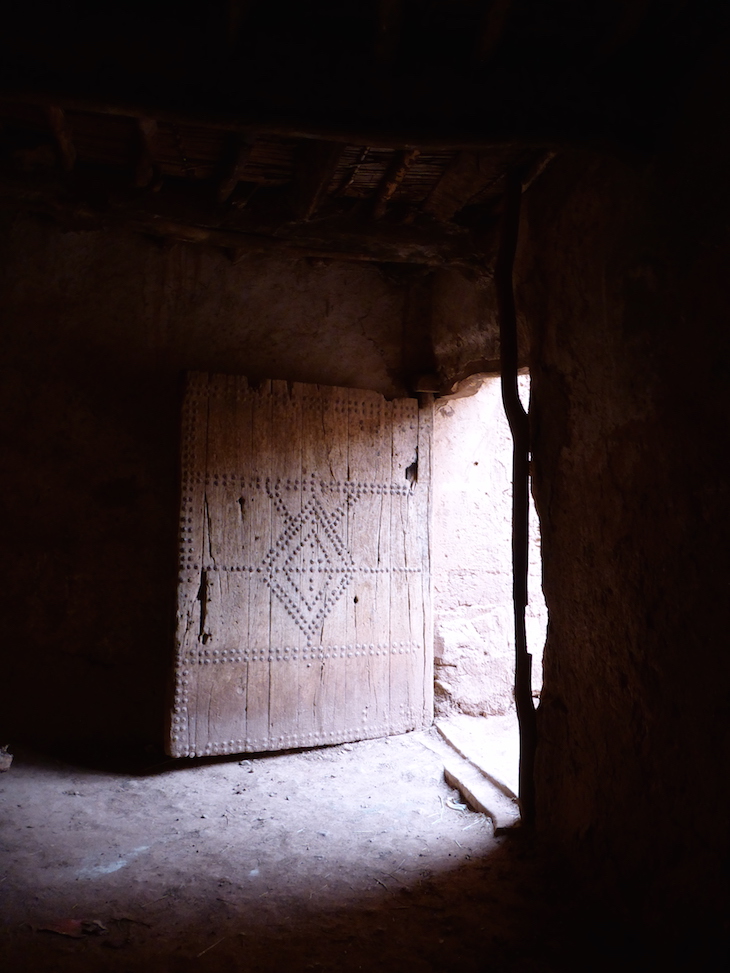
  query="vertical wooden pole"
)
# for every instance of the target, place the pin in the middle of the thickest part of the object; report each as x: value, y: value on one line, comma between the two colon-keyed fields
x: 519, y: 425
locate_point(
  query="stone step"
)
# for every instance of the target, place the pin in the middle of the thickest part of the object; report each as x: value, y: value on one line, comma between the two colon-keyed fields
x: 481, y: 794
x: 490, y: 744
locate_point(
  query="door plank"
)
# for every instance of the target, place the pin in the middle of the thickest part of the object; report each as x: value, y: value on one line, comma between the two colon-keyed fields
x: 328, y: 454
x: 194, y: 437
x: 259, y: 616
x: 404, y: 635
x: 285, y: 562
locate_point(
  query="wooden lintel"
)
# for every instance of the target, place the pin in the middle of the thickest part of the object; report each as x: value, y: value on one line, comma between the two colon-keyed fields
x: 62, y: 134
x: 491, y: 29
x: 362, y: 248
x: 315, y: 168
x: 360, y: 251
x: 234, y: 173
x: 188, y: 216
x: 145, y: 168
x: 393, y: 177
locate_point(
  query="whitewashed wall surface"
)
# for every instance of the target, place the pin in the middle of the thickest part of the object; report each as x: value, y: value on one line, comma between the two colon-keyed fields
x: 472, y: 493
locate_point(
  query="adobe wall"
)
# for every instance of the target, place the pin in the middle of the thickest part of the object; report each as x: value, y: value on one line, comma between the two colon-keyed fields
x: 624, y: 282
x: 472, y: 554
x: 98, y: 329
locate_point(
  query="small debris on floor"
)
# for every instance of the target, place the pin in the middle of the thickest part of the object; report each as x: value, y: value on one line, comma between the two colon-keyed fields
x: 330, y: 858
x: 75, y: 928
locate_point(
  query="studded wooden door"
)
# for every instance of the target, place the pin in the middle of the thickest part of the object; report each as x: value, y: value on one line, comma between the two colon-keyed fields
x: 304, y: 613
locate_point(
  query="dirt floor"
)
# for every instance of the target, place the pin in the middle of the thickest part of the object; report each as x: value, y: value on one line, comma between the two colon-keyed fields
x: 355, y: 857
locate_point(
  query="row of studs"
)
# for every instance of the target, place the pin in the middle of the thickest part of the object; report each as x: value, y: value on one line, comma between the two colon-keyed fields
x: 292, y: 400
x: 188, y: 563
x: 247, y: 569
x: 292, y: 741
x: 180, y: 703
x: 348, y: 487
x: 214, y: 656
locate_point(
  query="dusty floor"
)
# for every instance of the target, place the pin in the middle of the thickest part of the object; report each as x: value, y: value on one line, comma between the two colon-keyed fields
x: 344, y: 858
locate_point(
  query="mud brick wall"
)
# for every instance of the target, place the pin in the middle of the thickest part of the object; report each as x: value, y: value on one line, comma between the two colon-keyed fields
x: 624, y: 281
x: 99, y: 328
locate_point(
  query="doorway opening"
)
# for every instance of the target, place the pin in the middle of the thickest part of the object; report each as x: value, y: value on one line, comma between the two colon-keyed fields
x: 472, y: 575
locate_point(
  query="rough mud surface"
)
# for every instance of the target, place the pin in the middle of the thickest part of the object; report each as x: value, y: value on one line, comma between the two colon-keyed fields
x: 342, y: 858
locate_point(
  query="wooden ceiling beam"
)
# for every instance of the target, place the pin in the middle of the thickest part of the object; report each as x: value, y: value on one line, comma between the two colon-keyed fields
x: 468, y: 174
x: 437, y: 141
x: 234, y: 172
x: 392, y: 178
x: 63, y: 137
x: 315, y: 168
x: 337, y: 238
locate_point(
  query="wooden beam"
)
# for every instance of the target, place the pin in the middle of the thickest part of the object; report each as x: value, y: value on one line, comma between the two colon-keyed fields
x: 62, y: 134
x: 352, y: 171
x: 468, y: 174
x: 378, y: 138
x: 491, y: 29
x: 315, y: 168
x: 537, y: 169
x: 393, y: 177
x: 234, y: 172
x: 145, y: 168
x: 171, y: 215
x: 357, y: 247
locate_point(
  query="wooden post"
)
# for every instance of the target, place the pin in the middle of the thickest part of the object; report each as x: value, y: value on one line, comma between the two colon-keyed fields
x: 520, y: 429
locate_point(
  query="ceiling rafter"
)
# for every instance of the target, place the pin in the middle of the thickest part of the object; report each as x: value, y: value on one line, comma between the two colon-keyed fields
x: 241, y: 152
x: 392, y: 178
x: 316, y: 166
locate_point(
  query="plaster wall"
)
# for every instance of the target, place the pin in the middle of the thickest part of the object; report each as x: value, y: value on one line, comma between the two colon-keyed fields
x: 472, y: 554
x: 98, y: 329
x: 623, y: 269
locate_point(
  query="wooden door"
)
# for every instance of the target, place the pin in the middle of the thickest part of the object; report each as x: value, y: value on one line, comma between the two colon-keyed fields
x: 304, y: 609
